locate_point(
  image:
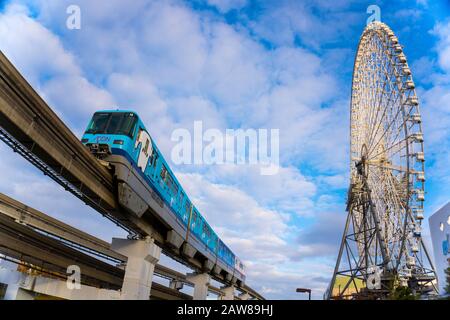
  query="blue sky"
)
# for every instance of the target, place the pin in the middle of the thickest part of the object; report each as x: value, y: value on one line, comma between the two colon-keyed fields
x: 232, y: 64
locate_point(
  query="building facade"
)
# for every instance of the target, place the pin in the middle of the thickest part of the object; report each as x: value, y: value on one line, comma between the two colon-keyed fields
x: 440, y: 236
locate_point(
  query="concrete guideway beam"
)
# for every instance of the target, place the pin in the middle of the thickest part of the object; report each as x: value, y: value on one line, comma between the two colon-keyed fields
x: 143, y: 256
x: 58, y: 288
x: 23, y: 286
x: 201, y: 283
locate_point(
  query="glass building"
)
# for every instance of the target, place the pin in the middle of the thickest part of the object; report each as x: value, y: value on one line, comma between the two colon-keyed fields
x: 440, y: 235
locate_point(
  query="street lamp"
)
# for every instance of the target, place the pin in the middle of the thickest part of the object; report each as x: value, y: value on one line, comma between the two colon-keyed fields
x: 303, y: 290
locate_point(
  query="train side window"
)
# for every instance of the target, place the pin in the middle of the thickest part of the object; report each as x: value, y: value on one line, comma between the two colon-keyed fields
x: 204, y: 231
x: 170, y: 182
x: 145, y: 149
x: 163, y: 173
x: 180, y: 198
x: 187, y: 209
x: 194, y: 218
x: 154, y: 158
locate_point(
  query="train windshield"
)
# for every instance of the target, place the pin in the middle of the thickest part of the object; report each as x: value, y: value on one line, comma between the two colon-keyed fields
x: 113, y: 123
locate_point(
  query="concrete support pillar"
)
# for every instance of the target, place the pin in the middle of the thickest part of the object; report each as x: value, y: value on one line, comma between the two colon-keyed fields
x: 228, y: 293
x: 142, y: 257
x: 11, y: 292
x: 13, y: 280
x: 23, y: 294
x: 244, y: 296
x: 201, y: 282
x: 177, y: 285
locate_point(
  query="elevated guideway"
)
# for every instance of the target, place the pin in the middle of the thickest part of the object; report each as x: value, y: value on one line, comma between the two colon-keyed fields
x: 30, y: 127
x: 33, y: 237
x: 50, y: 259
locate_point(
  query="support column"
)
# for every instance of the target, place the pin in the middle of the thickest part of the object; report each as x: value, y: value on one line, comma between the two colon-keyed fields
x: 175, y: 284
x: 12, y: 279
x: 201, y: 282
x: 142, y: 257
x: 23, y: 294
x: 228, y: 293
x: 244, y: 296
x: 11, y: 292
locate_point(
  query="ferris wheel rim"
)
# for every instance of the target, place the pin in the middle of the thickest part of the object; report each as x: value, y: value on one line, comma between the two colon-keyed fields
x: 387, y: 38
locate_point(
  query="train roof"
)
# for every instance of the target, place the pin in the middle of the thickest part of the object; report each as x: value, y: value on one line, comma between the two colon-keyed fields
x: 118, y: 110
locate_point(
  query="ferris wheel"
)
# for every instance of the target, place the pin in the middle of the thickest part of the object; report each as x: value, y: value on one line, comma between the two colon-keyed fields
x: 382, y: 244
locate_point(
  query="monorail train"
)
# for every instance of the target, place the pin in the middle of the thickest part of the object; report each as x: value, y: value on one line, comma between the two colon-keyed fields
x: 147, y: 184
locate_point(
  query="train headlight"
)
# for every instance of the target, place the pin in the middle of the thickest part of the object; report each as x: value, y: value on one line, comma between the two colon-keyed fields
x: 118, y: 142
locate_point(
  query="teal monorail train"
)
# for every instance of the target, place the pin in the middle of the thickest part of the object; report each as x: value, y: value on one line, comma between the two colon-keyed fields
x: 146, y: 181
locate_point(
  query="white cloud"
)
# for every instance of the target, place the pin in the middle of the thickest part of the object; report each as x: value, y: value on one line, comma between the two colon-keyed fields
x: 435, y: 109
x: 236, y: 70
x: 443, y: 47
x: 29, y: 36
x: 50, y: 69
x: 288, y: 191
x: 227, y: 5
x: 287, y: 22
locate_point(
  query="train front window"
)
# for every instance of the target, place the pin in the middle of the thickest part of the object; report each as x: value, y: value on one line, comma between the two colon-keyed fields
x: 98, y: 123
x: 113, y: 123
x: 128, y: 124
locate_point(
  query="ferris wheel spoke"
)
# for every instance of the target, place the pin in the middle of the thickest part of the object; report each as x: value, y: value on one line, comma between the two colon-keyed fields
x: 392, y: 80
x: 373, y: 133
x: 384, y: 187
x: 386, y: 80
x: 402, y: 124
x: 371, y: 144
x: 373, y: 121
x: 399, y: 143
x: 383, y: 208
x: 402, y: 217
x: 388, y: 167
